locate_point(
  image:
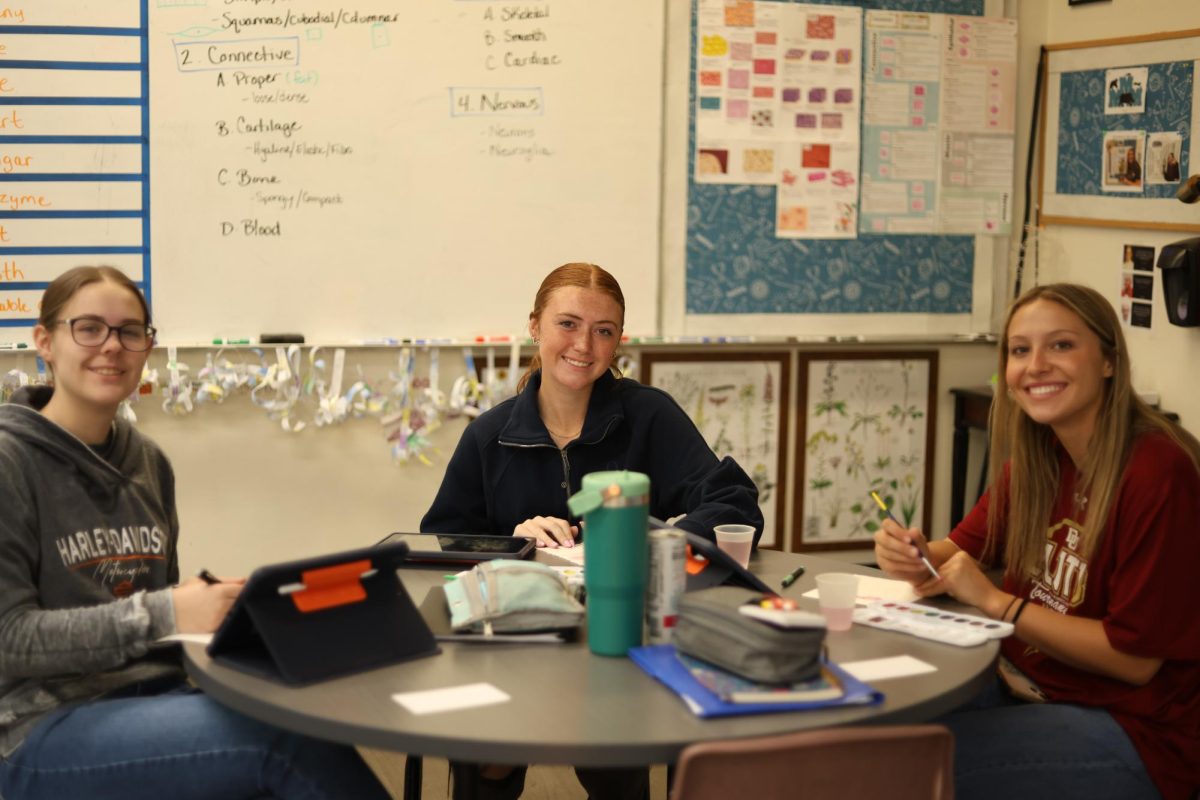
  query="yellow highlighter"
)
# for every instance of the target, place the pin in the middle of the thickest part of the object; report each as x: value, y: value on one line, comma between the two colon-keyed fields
x: 883, y: 506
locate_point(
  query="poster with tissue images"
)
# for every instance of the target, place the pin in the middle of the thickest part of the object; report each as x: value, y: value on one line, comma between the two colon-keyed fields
x: 778, y: 90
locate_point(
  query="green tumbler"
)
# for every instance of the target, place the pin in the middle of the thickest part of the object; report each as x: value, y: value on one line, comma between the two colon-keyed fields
x: 614, y: 506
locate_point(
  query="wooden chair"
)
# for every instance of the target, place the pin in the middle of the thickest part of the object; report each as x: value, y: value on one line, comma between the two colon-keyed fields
x: 902, y: 762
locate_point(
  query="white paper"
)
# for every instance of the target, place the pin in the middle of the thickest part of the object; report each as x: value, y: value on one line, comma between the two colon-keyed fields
x: 874, y: 590
x: 452, y: 698
x: 880, y: 669
x: 198, y: 638
x: 572, y: 554
x: 939, y: 118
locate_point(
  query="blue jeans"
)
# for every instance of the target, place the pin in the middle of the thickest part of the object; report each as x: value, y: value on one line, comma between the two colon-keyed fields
x: 180, y: 744
x: 1005, y: 748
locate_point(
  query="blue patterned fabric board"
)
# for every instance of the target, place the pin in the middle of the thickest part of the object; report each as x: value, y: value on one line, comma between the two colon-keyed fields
x: 735, y: 265
x: 1082, y: 124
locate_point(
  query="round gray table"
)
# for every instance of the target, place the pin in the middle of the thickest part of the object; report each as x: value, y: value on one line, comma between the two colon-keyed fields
x: 571, y: 707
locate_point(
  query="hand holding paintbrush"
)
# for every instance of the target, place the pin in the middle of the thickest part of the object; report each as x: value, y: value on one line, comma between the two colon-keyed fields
x: 920, y: 550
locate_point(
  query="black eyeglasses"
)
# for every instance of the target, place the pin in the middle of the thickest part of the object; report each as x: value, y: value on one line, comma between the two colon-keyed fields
x: 91, y: 332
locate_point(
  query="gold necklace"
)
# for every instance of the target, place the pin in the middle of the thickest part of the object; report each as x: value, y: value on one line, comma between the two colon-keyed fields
x: 558, y: 435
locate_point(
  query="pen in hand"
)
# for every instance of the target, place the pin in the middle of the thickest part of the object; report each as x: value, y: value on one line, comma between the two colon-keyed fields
x: 791, y: 577
x: 208, y: 577
x: 921, y: 553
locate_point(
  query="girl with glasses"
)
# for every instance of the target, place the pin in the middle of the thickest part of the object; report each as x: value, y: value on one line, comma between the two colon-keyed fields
x: 89, y: 580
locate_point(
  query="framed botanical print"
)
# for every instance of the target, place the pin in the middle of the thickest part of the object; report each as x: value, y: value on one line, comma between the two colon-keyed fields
x: 867, y: 422
x: 739, y: 401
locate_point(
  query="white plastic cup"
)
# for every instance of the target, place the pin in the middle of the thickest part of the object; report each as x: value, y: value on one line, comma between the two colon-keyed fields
x: 836, y: 592
x: 736, y: 541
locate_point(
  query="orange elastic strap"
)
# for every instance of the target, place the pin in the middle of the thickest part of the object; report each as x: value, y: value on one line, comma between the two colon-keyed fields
x: 329, y: 587
x: 693, y: 565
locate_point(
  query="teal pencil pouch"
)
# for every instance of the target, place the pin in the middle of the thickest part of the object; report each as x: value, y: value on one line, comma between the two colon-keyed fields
x: 511, y: 596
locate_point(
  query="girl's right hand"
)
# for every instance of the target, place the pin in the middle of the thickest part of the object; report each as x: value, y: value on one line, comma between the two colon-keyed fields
x: 200, y: 607
x: 897, y: 555
x: 548, y: 531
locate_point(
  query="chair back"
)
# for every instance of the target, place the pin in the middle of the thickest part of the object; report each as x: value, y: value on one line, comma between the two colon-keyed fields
x: 900, y: 762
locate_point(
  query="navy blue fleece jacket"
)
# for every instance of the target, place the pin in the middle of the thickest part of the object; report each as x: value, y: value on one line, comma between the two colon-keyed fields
x: 507, y: 469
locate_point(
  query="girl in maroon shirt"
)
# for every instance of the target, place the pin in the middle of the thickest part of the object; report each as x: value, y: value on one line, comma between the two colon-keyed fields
x: 1091, y: 514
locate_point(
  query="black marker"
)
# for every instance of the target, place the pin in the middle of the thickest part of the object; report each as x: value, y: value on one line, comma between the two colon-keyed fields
x: 791, y: 577
x: 281, y: 338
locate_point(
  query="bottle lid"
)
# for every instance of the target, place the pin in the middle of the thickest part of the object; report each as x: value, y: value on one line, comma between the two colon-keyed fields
x: 614, y: 489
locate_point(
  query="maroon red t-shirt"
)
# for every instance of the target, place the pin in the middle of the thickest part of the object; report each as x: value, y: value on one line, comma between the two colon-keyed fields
x: 1142, y: 583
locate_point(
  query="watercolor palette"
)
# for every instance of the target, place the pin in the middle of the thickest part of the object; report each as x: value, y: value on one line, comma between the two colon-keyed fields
x: 936, y: 624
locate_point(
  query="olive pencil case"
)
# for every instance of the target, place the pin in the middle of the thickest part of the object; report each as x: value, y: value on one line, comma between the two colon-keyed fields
x: 712, y: 628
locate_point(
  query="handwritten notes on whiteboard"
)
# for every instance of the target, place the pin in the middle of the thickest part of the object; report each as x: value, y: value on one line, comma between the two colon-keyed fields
x: 367, y: 170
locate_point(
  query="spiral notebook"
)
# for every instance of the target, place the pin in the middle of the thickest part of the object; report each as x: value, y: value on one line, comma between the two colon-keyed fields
x: 662, y: 663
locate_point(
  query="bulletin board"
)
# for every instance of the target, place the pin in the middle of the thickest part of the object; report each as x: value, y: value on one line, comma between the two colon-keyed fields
x: 1153, y: 80
x: 735, y: 264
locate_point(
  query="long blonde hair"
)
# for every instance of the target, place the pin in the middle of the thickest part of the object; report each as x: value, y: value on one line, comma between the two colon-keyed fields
x: 1028, y: 447
x: 580, y: 275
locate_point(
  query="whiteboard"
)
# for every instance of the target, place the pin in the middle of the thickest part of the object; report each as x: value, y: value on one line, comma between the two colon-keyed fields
x: 395, y: 169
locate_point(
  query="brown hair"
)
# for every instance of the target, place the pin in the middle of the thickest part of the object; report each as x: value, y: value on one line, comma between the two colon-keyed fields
x: 580, y: 275
x: 1028, y: 447
x: 65, y: 286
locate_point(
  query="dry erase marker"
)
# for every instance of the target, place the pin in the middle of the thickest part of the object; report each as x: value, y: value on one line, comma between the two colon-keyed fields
x: 879, y: 502
x: 13, y: 345
x: 791, y: 577
x: 208, y: 577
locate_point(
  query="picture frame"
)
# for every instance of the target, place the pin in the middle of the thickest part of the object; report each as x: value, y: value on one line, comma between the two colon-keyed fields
x: 739, y: 402
x: 1078, y: 117
x: 866, y: 421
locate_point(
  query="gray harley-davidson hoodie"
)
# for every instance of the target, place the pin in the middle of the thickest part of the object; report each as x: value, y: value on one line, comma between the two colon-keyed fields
x: 87, y: 556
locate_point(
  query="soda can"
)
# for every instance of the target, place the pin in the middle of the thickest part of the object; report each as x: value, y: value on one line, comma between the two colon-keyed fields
x: 665, y: 584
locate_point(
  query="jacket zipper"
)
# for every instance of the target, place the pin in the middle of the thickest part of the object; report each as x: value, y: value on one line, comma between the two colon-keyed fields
x: 562, y: 451
x: 566, y: 484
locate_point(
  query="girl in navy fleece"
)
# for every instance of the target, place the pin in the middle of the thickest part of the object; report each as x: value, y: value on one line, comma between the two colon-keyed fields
x: 517, y: 464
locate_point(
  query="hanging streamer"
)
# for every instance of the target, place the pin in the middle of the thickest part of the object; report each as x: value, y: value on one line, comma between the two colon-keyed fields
x: 177, y: 394
x: 279, y: 389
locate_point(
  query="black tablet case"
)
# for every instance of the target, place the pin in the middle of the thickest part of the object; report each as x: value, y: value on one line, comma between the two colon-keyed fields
x: 353, y: 623
x: 416, y: 556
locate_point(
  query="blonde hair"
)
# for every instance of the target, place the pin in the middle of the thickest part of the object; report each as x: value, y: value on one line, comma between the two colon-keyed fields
x: 1029, y: 447
x: 582, y: 276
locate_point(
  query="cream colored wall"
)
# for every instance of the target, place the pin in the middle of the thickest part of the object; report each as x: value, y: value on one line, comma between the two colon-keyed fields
x: 250, y: 493
x: 1162, y: 357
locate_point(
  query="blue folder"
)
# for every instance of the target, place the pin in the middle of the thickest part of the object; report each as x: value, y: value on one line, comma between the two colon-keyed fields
x: 660, y: 662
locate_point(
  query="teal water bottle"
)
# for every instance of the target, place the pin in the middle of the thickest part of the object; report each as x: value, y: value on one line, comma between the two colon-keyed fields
x: 614, y: 506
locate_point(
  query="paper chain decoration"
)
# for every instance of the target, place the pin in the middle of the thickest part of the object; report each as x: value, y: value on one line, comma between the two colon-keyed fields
x: 295, y: 391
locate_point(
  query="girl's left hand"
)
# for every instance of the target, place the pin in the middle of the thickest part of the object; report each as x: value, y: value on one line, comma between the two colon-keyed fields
x: 548, y: 531
x: 965, y: 582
